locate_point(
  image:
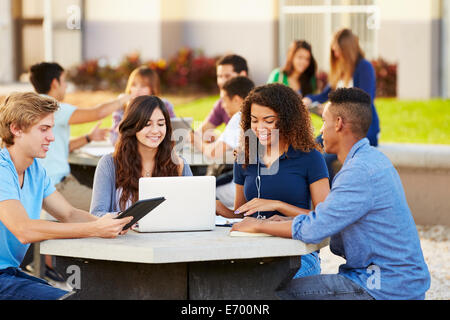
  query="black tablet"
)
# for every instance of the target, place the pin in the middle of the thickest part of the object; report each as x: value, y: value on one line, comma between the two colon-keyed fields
x: 139, y: 209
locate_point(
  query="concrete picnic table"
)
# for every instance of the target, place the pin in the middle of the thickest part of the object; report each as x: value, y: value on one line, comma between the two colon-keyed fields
x: 179, y: 265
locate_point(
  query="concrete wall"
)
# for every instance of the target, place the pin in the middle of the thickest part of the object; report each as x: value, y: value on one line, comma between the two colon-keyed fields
x: 160, y: 28
x: 172, y: 26
x: 114, y: 28
x: 446, y: 48
x: 425, y: 174
x: 248, y: 28
x: 66, y: 34
x: 410, y: 35
x: 427, y: 193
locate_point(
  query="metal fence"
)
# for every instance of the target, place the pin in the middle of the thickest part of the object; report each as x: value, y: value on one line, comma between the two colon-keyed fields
x: 316, y: 20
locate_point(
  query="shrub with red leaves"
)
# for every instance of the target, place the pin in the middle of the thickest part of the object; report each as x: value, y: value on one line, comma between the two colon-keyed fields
x: 386, y: 74
x: 187, y: 70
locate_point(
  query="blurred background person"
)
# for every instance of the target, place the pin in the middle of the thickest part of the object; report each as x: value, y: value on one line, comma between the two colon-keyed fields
x: 143, y: 81
x: 300, y: 69
x: 348, y: 68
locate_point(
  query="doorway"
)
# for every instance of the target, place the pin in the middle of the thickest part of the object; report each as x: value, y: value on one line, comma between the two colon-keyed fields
x: 29, y: 44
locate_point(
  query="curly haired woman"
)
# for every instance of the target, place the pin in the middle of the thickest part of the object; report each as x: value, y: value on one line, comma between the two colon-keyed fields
x: 144, y: 149
x: 287, y: 171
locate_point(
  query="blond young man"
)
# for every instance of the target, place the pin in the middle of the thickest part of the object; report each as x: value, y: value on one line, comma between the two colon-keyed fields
x: 26, y: 131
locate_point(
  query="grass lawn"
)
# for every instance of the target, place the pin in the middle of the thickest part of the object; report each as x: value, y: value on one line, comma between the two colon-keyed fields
x: 401, y: 121
x: 404, y: 121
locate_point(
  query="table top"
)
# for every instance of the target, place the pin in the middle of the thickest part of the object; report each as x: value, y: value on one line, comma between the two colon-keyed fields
x: 90, y: 154
x: 173, y: 247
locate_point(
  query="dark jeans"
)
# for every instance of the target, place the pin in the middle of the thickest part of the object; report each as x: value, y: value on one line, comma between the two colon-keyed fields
x: 17, y: 285
x: 323, y: 287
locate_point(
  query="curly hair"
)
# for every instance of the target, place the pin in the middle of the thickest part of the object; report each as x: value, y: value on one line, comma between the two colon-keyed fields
x: 294, y: 121
x: 127, y: 159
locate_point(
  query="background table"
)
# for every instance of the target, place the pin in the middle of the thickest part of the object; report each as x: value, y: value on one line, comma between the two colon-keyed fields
x: 84, y: 160
x: 180, y: 265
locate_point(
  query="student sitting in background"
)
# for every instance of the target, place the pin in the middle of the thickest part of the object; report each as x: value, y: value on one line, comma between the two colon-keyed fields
x: 232, y: 94
x: 228, y: 67
x: 299, y: 72
x: 143, y: 81
x: 144, y: 149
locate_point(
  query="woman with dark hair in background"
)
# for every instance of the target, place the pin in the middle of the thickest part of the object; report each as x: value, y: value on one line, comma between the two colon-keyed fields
x: 144, y: 149
x: 287, y: 172
x: 299, y: 72
x: 348, y: 68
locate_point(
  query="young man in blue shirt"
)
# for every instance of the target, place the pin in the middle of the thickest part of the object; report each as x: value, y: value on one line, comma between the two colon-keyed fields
x: 26, y: 131
x: 366, y: 215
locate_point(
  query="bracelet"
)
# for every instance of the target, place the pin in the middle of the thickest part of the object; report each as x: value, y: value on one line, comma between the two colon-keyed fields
x: 87, y: 138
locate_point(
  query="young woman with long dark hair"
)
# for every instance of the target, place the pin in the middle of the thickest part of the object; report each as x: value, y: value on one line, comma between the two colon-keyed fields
x: 144, y: 149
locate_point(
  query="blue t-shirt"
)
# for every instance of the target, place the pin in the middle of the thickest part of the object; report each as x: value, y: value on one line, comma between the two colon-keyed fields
x: 36, y: 187
x: 287, y: 180
x: 57, y: 160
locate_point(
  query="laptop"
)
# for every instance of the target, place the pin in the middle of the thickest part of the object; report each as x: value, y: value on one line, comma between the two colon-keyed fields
x: 181, y: 128
x: 190, y: 204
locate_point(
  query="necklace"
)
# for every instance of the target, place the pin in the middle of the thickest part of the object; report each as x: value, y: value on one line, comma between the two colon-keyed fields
x: 149, y: 166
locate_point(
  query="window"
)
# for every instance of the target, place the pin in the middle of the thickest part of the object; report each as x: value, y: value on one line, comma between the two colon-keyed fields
x: 316, y: 21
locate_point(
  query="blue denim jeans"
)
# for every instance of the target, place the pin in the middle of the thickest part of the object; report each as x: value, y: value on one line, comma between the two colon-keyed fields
x: 310, y: 265
x: 323, y: 287
x: 17, y: 285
